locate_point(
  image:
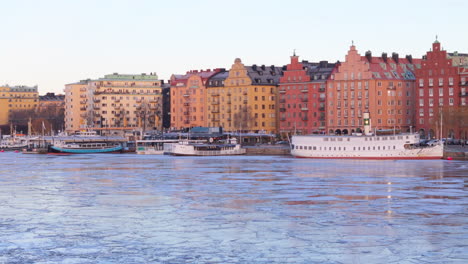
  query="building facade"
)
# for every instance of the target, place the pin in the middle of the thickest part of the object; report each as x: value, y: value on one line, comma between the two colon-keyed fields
x: 383, y: 86
x: 115, y: 102
x: 302, y: 97
x: 246, y: 100
x: 442, y: 92
x: 17, y: 99
x: 188, y: 98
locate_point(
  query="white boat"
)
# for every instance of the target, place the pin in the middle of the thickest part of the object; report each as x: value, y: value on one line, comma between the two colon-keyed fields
x: 152, y: 146
x: 365, y: 146
x: 402, y: 146
x: 13, y: 143
x: 186, y: 148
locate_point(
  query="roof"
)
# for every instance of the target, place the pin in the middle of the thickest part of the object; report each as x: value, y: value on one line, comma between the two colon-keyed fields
x: 392, y: 67
x: 181, y: 80
x: 264, y: 74
x: 217, y: 80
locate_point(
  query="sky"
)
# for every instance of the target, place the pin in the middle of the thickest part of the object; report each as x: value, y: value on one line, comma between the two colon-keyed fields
x: 50, y: 43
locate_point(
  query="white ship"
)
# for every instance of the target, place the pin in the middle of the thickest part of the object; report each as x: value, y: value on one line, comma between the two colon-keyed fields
x: 186, y: 148
x: 367, y: 146
x: 152, y: 146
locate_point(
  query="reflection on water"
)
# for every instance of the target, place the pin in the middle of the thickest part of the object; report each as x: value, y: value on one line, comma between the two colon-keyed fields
x: 164, y: 209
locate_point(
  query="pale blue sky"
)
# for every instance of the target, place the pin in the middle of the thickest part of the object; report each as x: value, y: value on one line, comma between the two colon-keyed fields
x: 54, y: 42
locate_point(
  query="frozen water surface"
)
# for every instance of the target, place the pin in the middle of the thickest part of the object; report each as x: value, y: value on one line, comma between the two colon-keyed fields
x: 246, y: 209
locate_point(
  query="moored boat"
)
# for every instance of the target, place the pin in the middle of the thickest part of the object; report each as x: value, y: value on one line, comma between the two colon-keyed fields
x: 185, y: 148
x: 152, y: 146
x: 87, y: 142
x: 365, y: 146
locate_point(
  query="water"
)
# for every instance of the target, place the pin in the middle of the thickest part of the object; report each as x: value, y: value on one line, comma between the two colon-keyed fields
x: 247, y: 209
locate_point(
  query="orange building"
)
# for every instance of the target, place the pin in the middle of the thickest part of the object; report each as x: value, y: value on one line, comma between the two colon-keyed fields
x: 16, y: 98
x: 188, y: 98
x: 383, y: 86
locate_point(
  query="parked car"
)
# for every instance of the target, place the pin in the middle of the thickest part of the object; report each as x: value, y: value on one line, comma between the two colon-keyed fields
x: 282, y: 142
x: 433, y: 142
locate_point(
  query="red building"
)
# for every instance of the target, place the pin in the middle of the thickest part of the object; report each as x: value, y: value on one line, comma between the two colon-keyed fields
x: 382, y: 86
x: 302, y: 100
x: 442, y: 94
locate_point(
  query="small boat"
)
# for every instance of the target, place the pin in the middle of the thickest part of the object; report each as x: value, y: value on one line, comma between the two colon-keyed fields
x: 85, y: 147
x: 13, y: 143
x: 152, y: 146
x: 87, y: 142
x: 186, y: 148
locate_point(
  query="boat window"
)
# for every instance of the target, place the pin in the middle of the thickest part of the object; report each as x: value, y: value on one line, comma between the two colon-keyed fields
x: 348, y: 139
x: 329, y: 148
x: 392, y: 138
x: 383, y: 147
x: 325, y: 139
x: 344, y: 148
x: 315, y: 148
x: 333, y: 139
x: 310, y: 148
x: 334, y: 148
x: 393, y: 147
x: 365, y: 139
x: 340, y: 139
x: 373, y: 148
x: 339, y: 148
x: 354, y: 148
x: 368, y: 148
x: 378, y: 147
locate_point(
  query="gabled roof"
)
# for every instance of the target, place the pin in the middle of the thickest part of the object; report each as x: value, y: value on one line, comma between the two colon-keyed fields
x: 181, y: 80
x: 392, y: 67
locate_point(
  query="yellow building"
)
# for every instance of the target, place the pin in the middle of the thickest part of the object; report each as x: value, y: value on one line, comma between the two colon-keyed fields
x: 245, y: 100
x: 114, y: 103
x: 16, y: 98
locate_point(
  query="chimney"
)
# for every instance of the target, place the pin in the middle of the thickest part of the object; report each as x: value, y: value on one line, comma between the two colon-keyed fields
x: 369, y: 56
x: 263, y: 67
x: 254, y: 67
x: 395, y: 57
x: 323, y: 64
x: 409, y: 58
x: 384, y: 57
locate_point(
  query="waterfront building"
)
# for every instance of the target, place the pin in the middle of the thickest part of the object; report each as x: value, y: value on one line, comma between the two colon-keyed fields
x: 302, y: 97
x: 383, y: 86
x: 116, y: 102
x: 76, y: 97
x: 442, y: 94
x: 51, y: 102
x: 15, y: 100
x: 188, y: 98
x: 246, y: 101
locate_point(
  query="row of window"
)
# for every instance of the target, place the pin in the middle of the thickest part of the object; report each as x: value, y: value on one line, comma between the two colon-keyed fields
x: 343, y: 148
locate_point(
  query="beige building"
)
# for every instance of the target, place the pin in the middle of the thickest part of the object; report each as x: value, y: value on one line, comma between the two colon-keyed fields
x: 114, y: 103
x: 16, y: 98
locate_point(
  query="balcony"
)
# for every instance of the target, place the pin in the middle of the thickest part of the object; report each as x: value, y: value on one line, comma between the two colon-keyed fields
x: 321, y: 108
x: 304, y: 100
x: 322, y: 118
x: 282, y: 91
x: 186, y: 104
x: 83, y: 115
x: 463, y: 83
x: 283, y: 119
x: 83, y: 102
x: 186, y: 122
x: 245, y: 101
x: 82, y: 95
x: 282, y: 100
x: 186, y: 113
x: 304, y: 109
x: 305, y: 119
x: 464, y: 94
x: 97, y: 100
x: 186, y: 95
x: 345, y: 97
x: 83, y: 108
x: 215, y: 119
x: 215, y: 111
x: 282, y: 109
x: 229, y: 101
x: 215, y: 94
x: 321, y: 99
x: 323, y: 90
x: 391, y: 87
x: 228, y: 94
x: 305, y: 90
x: 244, y: 93
x: 228, y: 111
x: 215, y: 103
x: 97, y: 107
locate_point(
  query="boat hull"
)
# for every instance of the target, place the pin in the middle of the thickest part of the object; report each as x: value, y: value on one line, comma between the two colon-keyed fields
x: 55, y: 149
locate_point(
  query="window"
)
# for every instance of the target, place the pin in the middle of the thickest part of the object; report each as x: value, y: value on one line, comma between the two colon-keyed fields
x: 431, y: 82
x: 451, y: 91
x: 421, y: 92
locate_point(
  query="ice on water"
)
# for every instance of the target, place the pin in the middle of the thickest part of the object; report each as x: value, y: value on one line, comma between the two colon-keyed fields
x: 249, y: 209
